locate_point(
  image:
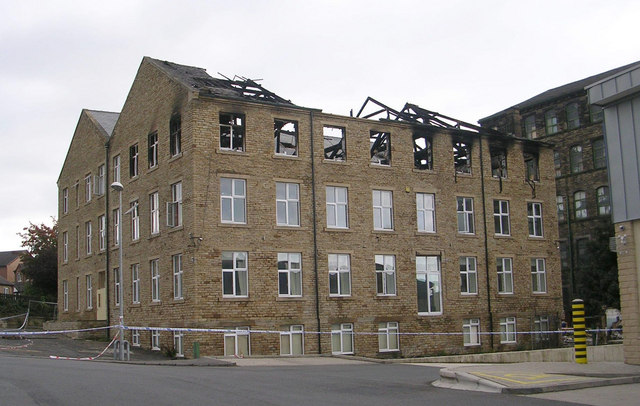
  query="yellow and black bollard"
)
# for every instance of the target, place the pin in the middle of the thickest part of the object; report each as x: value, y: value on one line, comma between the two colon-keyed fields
x: 579, y: 334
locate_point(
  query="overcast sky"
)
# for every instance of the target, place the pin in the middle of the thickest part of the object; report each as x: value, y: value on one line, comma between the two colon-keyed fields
x: 465, y: 59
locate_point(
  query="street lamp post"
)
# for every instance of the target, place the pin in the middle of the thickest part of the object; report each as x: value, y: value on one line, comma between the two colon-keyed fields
x: 117, y: 186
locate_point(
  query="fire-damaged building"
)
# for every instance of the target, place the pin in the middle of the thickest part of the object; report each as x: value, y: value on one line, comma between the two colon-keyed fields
x: 284, y: 230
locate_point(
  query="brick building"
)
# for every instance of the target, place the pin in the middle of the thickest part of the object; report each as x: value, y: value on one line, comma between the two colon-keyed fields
x: 563, y: 117
x: 245, y: 212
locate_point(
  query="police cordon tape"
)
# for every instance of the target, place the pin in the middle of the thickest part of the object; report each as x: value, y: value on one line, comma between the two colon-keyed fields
x: 86, y: 358
x: 16, y: 347
x: 13, y: 317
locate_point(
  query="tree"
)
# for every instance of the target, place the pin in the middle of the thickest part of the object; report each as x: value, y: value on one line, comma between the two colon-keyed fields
x: 40, y: 262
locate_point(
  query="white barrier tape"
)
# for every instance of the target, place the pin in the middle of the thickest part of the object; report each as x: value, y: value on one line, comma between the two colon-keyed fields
x: 86, y: 358
x: 51, y: 332
x: 16, y: 347
x: 13, y: 317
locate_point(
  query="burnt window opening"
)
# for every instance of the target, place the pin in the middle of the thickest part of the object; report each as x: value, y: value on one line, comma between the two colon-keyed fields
x: 232, y: 132
x: 532, y: 172
x: 285, y: 133
x: 175, y: 135
x: 380, y: 147
x: 334, y: 143
x: 462, y: 157
x: 422, y: 152
x: 498, y: 162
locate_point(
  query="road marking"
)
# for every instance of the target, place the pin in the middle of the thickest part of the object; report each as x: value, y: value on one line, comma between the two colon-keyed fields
x: 529, y: 379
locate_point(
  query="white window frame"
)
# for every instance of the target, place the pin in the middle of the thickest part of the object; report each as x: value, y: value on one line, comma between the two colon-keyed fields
x: 100, y: 181
x: 385, y: 275
x: 580, y: 204
x: 116, y: 168
x: 295, y: 334
x: 116, y: 227
x: 174, y: 207
x: 116, y: 290
x: 339, y: 275
x: 501, y: 220
x: 426, y: 212
x: 65, y: 201
x: 135, y: 220
x: 387, y: 333
x: 382, y: 210
x: 135, y: 337
x: 154, y: 213
x: 288, y: 198
x: 504, y: 267
x: 538, y: 275
x: 155, y: 340
x: 464, y: 209
x: 152, y: 141
x: 176, y: 261
x: 508, y: 332
x: 175, y: 135
x: 65, y: 295
x: 134, y: 155
x: 154, y: 269
x: 237, y: 273
x: 428, y: 270
x: 534, y: 219
x: 236, y: 334
x: 88, y: 232
x: 337, y: 203
x: 468, y: 276
x: 344, y: 333
x: 290, y: 270
x: 89, y: 291
x: 471, y: 332
x: 227, y: 128
x: 603, y: 201
x: 135, y: 283
x: 102, y: 224
x: 560, y: 207
x: 229, y: 200
x: 65, y: 246
x: 87, y: 188
x: 178, y: 343
x: 540, y: 326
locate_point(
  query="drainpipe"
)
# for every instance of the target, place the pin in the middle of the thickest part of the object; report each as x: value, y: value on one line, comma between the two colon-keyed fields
x: 107, y: 147
x: 315, y: 233
x: 486, y: 243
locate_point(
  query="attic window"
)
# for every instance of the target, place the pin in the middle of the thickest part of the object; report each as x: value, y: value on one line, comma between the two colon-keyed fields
x: 285, y: 133
x: 334, y: 143
x: 232, y: 132
x: 380, y: 143
x: 498, y: 161
x: 462, y: 156
x: 532, y: 172
x: 422, y: 151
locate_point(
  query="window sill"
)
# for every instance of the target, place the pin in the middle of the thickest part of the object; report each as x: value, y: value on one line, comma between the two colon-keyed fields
x: 463, y: 294
x: 340, y: 297
x: 503, y: 236
x: 335, y: 161
x: 285, y: 227
x: 464, y: 174
x: 533, y: 238
x: 386, y: 297
x: 427, y: 233
x: 467, y: 235
x: 174, y: 229
x: 236, y: 299
x: 505, y: 294
x: 430, y: 314
x: 153, y: 168
x: 379, y: 166
x: 175, y: 157
x: 233, y: 225
x: 472, y: 345
x: 231, y: 152
x: 178, y: 300
x: 153, y: 236
x: 135, y: 305
x: 425, y: 171
x: 384, y: 231
x: 290, y: 299
x: 284, y: 156
x: 498, y: 179
x: 156, y: 303
x: 337, y: 229
x: 388, y: 351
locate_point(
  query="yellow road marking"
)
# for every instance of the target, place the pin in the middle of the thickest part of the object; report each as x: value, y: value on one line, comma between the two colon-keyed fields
x: 528, y: 379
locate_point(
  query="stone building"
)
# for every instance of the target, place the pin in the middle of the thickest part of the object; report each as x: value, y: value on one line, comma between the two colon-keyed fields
x: 563, y: 117
x: 297, y: 231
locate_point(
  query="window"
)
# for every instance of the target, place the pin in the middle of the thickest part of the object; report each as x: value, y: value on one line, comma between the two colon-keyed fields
x: 175, y: 136
x: 174, y: 207
x: 564, y: 255
x: 501, y: 217
x: 176, y: 260
x: 465, y: 215
x: 152, y: 151
x: 339, y: 275
x: 550, y: 122
x: 285, y: 133
x: 116, y: 168
x: 604, y: 208
x: 596, y: 113
x: 334, y: 143
x: 599, y: 154
x: 89, y: 292
x: 380, y: 148
x: 87, y: 229
x: 573, y: 116
x: 116, y: 226
x: 116, y: 280
x: 287, y: 204
x: 65, y: 201
x: 429, y: 285
x: 232, y: 132
x: 468, y: 276
x: 388, y: 336
x: 236, y: 342
x: 232, y: 200
x: 342, y: 338
x: 135, y: 221
x: 575, y: 157
x: 531, y: 166
x: 155, y: 280
x: 580, y: 204
x: 234, y: 274
x: 462, y: 157
x: 382, y: 210
x: 505, y: 275
x: 135, y: 283
x: 135, y: 338
x: 582, y: 249
x: 292, y: 341
x: 133, y: 161
x: 100, y: 181
x: 426, y: 212
x: 471, y: 332
x: 289, y: 274
x: 538, y: 275
x: 560, y: 206
x: 541, y: 327
x: 498, y: 162
x: 422, y: 151
x: 78, y: 301
x: 177, y: 343
x: 557, y: 163
x: 155, y: 340
x: 77, y: 190
x: 65, y: 295
x: 507, y: 330
x: 337, y: 207
x: 87, y: 188
x: 65, y: 246
x: 386, y: 275
x: 534, y: 218
x: 530, y: 127
x: 154, y: 212
x: 78, y: 239
x: 102, y: 232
